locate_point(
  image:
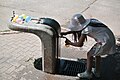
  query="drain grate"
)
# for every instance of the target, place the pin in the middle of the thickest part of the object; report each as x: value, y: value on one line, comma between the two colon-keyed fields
x: 71, y: 68
x: 66, y: 67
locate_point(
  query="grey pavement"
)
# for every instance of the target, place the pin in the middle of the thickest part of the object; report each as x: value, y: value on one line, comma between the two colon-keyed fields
x: 18, y: 49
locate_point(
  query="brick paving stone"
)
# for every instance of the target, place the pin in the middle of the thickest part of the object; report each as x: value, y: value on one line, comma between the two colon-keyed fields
x: 1, y: 66
x: 6, y: 76
x: 6, y: 65
x: 3, y: 60
x: 15, y: 63
x: 20, y: 57
x: 20, y: 68
x: 2, y: 78
x: 10, y: 70
x: 1, y: 57
x: 3, y: 69
x: 11, y: 59
x: 12, y: 78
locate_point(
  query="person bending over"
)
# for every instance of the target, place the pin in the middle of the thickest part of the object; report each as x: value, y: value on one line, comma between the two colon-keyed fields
x: 105, y: 41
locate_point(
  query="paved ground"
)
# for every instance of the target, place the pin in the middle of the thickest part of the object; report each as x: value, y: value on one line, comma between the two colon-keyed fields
x: 18, y: 50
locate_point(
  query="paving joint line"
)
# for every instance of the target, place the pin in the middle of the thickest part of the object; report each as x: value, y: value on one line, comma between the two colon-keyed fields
x: 88, y: 6
x: 16, y: 8
x: 7, y: 32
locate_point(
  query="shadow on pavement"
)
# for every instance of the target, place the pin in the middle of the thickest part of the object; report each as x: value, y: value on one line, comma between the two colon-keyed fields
x: 111, y: 66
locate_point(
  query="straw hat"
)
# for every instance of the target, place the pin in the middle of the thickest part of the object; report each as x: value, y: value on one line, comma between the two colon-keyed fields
x: 78, y: 22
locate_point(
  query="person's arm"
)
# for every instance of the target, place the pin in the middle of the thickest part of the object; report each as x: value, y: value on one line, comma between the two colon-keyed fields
x: 68, y: 32
x: 79, y: 43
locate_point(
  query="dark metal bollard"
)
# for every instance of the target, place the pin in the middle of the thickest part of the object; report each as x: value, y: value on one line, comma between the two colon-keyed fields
x: 48, y: 31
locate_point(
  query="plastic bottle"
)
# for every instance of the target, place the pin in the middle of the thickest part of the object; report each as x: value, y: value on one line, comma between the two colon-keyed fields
x: 24, y: 16
x: 19, y: 21
x: 15, y: 18
x: 21, y: 17
x: 28, y: 18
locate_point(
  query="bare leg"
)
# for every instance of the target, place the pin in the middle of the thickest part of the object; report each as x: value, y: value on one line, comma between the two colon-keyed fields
x: 89, y: 62
x: 87, y: 73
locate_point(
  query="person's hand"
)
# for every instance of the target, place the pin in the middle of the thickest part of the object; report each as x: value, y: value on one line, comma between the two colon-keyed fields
x: 67, y: 42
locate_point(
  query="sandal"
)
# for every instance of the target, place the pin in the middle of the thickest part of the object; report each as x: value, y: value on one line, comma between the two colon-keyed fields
x: 85, y: 75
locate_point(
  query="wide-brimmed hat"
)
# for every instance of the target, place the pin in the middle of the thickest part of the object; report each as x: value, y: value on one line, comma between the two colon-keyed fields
x: 78, y: 22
